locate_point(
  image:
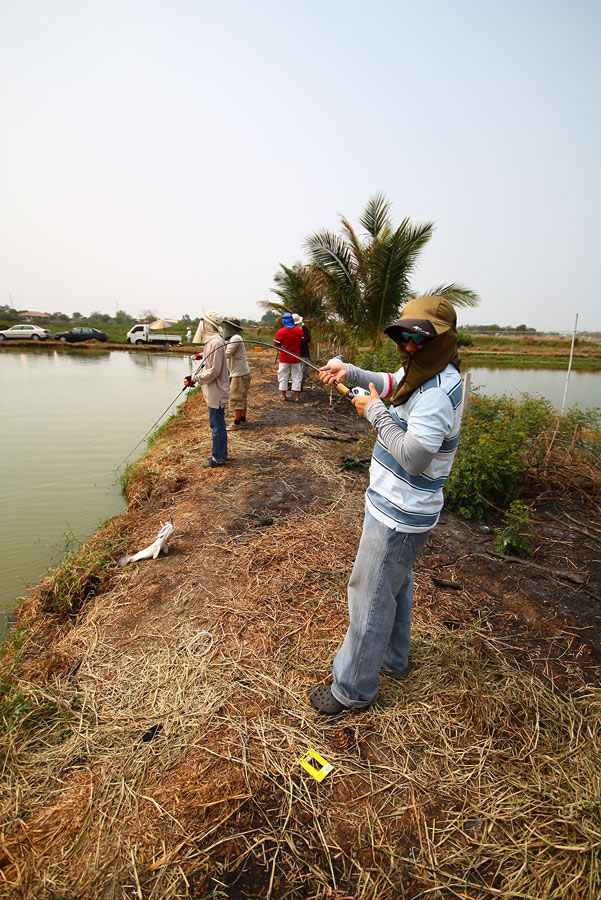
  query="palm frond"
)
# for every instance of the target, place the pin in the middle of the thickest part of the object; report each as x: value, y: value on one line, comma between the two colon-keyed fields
x: 391, y: 265
x: 300, y: 291
x: 455, y: 293
x: 414, y: 237
x: 376, y: 215
x: 365, y: 280
x: 332, y: 255
x: 273, y: 305
x: 358, y: 250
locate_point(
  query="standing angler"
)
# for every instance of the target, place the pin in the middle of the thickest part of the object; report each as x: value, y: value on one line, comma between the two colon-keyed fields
x: 417, y: 438
x: 289, y: 338
x: 305, y: 352
x: 237, y: 363
x: 213, y: 376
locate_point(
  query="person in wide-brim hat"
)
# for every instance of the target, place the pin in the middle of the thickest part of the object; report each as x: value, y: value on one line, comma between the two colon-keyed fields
x: 230, y: 326
x: 213, y: 376
x: 237, y: 362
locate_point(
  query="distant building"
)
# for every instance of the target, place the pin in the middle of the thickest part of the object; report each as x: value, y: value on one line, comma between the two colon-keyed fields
x: 32, y: 315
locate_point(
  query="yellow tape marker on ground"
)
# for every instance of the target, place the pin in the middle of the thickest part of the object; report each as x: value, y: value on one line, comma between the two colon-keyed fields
x: 315, y: 765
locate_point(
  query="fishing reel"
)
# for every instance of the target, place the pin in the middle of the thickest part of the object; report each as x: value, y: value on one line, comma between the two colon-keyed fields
x: 357, y: 392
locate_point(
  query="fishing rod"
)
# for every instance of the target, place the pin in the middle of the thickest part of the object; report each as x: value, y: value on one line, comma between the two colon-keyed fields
x: 152, y: 427
x: 349, y: 393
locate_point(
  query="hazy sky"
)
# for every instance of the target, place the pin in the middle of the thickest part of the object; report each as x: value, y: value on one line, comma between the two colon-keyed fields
x: 170, y: 155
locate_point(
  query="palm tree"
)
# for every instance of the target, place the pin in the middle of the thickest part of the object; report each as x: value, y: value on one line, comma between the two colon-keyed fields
x: 366, y: 280
x: 299, y: 291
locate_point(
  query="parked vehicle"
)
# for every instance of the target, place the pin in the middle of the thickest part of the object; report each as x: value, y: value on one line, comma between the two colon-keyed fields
x: 142, y: 334
x: 81, y: 334
x: 25, y: 332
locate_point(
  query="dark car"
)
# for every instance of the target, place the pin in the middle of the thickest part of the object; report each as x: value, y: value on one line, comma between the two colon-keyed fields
x: 81, y: 334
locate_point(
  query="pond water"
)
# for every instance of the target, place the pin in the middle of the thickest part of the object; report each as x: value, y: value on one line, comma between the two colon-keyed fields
x: 69, y: 419
x: 584, y: 388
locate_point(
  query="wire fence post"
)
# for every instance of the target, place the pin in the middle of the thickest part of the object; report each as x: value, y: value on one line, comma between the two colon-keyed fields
x: 565, y: 393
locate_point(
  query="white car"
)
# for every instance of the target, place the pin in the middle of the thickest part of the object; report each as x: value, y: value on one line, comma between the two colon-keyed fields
x: 25, y: 332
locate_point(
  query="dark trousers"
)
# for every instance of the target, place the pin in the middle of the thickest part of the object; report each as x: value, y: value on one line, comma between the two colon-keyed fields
x: 219, y: 432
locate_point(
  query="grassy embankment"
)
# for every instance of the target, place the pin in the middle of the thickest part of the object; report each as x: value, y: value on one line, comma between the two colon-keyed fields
x: 533, y: 352
x: 146, y: 757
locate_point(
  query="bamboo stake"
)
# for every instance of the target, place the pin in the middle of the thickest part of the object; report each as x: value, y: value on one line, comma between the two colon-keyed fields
x: 565, y: 393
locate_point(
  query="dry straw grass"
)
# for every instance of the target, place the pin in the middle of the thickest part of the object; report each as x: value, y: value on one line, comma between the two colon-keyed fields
x: 162, y: 762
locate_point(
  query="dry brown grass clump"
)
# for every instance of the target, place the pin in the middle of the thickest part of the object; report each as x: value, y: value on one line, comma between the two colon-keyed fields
x: 177, y: 771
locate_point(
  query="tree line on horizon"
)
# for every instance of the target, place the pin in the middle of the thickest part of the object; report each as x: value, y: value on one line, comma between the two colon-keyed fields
x: 271, y: 317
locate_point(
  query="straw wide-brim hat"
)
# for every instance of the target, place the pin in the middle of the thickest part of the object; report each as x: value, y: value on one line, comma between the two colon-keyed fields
x: 298, y: 320
x: 212, y: 316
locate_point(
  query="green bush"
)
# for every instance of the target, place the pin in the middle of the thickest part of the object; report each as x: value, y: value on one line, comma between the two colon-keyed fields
x: 502, y: 438
x: 515, y: 537
x: 489, y: 461
x: 581, y: 428
x: 386, y: 359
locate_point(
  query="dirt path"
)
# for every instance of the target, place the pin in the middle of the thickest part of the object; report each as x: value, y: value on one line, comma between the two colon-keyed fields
x: 175, y: 710
x: 291, y: 463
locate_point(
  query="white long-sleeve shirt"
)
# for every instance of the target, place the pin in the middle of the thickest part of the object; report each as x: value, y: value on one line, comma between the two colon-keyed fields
x: 235, y: 352
x: 213, y: 374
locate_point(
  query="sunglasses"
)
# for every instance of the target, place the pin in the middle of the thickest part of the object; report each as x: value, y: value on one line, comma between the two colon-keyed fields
x: 418, y: 339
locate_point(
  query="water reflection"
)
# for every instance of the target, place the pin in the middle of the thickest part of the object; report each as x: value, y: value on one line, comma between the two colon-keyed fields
x: 145, y: 360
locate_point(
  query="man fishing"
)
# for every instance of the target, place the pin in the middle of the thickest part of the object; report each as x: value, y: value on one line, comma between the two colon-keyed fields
x: 417, y: 438
x: 213, y: 376
x: 239, y: 370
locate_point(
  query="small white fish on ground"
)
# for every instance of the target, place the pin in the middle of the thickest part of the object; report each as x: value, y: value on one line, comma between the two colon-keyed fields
x: 158, y: 545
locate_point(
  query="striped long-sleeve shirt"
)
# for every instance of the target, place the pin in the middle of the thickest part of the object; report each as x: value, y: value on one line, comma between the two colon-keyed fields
x: 425, y: 428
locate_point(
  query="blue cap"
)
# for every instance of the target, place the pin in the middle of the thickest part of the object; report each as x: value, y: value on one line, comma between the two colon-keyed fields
x: 287, y: 320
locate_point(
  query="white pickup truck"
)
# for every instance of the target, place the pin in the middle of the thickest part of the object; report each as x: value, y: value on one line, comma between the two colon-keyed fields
x: 141, y: 334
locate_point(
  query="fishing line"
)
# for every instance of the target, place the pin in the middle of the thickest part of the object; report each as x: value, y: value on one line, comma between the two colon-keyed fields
x: 152, y: 427
x: 116, y: 468
x: 48, y: 484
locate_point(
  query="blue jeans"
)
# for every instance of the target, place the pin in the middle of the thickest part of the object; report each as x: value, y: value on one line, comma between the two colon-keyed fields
x: 380, y: 597
x: 218, y: 430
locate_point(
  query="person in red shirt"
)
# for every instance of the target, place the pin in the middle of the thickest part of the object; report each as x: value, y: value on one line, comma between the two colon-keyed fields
x: 289, y: 338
